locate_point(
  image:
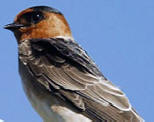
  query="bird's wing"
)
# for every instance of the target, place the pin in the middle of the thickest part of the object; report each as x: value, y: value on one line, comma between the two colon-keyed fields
x: 63, y: 66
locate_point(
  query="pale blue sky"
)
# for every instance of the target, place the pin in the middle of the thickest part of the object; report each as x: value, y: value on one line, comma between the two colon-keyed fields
x: 117, y: 34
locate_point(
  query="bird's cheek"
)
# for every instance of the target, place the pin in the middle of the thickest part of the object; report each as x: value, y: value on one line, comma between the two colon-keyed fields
x: 23, y: 29
x: 27, y: 28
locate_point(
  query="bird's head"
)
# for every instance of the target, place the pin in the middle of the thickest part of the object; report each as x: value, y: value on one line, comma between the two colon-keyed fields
x: 39, y: 22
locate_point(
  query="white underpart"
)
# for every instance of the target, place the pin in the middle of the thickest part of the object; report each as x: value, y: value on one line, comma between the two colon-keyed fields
x: 69, y: 115
x: 55, y: 112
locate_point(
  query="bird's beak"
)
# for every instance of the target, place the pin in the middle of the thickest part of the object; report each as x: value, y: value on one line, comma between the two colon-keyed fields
x: 13, y: 26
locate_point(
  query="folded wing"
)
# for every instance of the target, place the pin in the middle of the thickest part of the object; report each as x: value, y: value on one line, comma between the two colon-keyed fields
x: 64, y: 66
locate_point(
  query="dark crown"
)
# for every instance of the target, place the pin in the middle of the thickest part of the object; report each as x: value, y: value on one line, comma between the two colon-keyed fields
x: 46, y: 8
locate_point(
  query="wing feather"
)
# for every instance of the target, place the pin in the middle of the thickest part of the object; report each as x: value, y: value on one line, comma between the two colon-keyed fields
x: 68, y: 68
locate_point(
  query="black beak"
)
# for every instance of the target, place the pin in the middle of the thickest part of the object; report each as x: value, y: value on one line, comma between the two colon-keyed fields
x: 13, y: 26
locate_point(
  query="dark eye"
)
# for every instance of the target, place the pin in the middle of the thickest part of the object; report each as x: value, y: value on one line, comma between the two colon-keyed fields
x: 33, y: 17
x: 36, y: 17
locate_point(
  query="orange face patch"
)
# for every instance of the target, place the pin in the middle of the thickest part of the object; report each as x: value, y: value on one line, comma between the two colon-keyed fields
x: 52, y: 25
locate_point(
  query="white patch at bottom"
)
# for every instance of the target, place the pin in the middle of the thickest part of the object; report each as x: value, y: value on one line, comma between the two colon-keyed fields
x: 1, y: 120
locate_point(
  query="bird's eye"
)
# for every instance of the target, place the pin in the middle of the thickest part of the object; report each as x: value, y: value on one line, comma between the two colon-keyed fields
x: 36, y: 17
x: 33, y: 17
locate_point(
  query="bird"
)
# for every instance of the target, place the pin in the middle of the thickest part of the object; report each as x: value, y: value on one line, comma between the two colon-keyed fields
x: 61, y: 81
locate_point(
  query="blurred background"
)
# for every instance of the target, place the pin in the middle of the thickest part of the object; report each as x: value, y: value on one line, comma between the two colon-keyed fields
x: 117, y: 34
